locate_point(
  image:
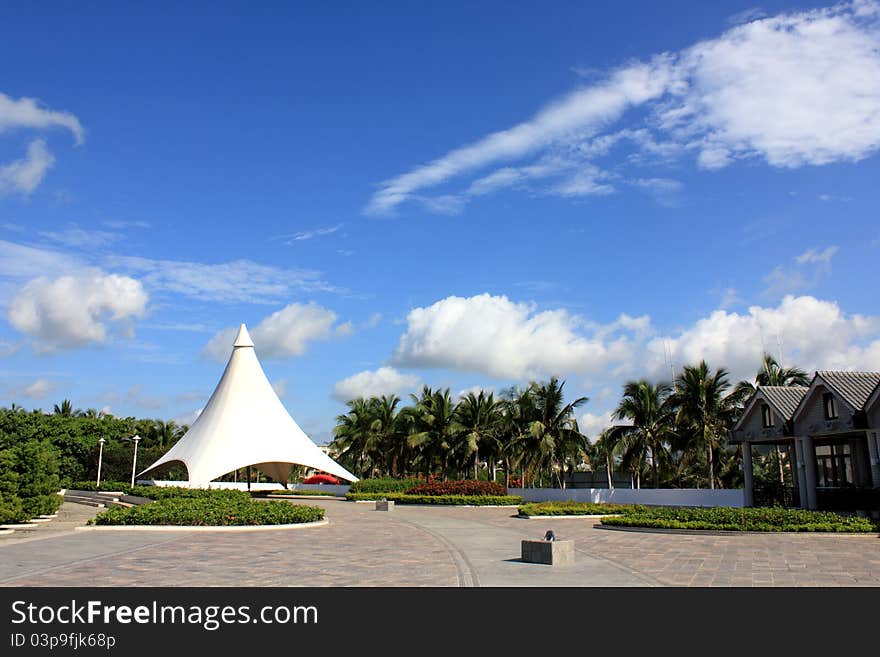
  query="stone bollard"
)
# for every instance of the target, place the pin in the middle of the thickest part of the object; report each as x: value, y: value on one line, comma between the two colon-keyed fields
x: 384, y: 505
x: 553, y: 553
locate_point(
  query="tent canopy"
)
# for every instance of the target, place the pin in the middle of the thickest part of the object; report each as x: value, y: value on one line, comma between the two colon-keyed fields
x: 245, y: 424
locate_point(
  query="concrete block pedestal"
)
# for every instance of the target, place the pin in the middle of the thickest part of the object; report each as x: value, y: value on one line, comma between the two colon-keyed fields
x: 552, y: 553
x: 384, y: 505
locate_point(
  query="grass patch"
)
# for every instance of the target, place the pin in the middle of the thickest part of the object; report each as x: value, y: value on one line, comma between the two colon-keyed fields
x: 775, y: 519
x: 447, y: 500
x: 204, y: 511
x: 575, y: 508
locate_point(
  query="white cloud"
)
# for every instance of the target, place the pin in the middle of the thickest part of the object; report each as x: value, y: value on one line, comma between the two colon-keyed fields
x: 24, y: 176
x: 316, y: 232
x: 79, y: 238
x: 39, y: 389
x: 22, y: 261
x: 592, y: 424
x: 582, y: 112
x: 808, y: 270
x: 813, y: 334
x: 27, y: 113
x: 383, y: 381
x: 497, y: 337
x: 73, y: 310
x: 282, y: 334
x: 796, y: 89
x: 239, y: 281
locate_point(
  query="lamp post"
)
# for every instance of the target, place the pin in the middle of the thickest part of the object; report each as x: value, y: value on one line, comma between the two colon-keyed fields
x: 101, y: 442
x: 134, y: 459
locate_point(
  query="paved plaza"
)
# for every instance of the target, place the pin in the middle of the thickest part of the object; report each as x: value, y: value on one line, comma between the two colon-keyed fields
x: 425, y: 546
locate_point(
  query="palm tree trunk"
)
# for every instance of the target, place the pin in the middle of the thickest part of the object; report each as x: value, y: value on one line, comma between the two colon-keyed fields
x: 711, y: 468
x: 654, y: 467
x: 781, y: 471
x: 608, y: 472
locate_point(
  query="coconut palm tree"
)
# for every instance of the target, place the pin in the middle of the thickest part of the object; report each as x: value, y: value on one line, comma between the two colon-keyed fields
x: 650, y: 409
x: 65, y: 409
x: 434, y: 428
x: 703, y: 410
x: 351, y: 434
x: 387, y: 440
x: 606, y: 449
x: 479, y: 418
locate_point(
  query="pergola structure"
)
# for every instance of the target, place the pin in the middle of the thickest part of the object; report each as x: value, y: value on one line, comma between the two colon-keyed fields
x: 244, y: 424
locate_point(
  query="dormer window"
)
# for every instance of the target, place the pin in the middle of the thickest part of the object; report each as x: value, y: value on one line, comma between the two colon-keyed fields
x: 766, y: 416
x: 830, y: 406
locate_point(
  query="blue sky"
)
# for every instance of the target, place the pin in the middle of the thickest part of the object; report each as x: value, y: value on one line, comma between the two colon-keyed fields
x: 452, y: 194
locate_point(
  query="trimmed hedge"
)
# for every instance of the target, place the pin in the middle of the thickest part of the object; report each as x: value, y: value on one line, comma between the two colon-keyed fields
x: 41, y: 505
x: 384, y: 485
x: 775, y: 519
x: 308, y: 491
x: 449, y: 500
x: 464, y: 487
x: 210, y: 512
x: 105, y: 485
x: 175, y: 492
x: 576, y: 508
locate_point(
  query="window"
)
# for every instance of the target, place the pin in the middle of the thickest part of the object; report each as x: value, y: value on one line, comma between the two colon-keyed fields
x: 830, y: 406
x: 766, y: 416
x: 834, y: 466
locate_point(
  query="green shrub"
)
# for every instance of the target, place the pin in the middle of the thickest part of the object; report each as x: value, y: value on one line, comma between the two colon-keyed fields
x: 576, y: 508
x: 306, y: 491
x: 775, y: 519
x: 169, y: 492
x: 41, y: 505
x: 105, y: 485
x: 10, y: 509
x: 206, y: 511
x: 384, y: 485
x: 464, y: 487
x: 456, y: 500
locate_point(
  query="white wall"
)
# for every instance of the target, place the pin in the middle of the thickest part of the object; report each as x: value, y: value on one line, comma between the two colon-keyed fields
x: 652, y: 496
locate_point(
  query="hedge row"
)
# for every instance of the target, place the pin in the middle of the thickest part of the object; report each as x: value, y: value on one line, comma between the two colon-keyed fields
x: 176, y: 492
x: 576, y: 509
x: 210, y: 512
x: 449, y: 500
x: 465, y: 487
x: 306, y: 491
x: 775, y: 519
x: 384, y: 485
x: 105, y: 485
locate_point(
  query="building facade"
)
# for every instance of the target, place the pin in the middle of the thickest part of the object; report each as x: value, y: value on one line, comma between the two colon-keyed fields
x: 831, y: 427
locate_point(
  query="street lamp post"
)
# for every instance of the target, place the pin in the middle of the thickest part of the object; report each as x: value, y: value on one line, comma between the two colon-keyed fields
x: 134, y: 459
x: 101, y: 442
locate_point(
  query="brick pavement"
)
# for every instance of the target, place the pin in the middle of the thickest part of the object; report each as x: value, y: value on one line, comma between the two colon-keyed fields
x: 428, y: 546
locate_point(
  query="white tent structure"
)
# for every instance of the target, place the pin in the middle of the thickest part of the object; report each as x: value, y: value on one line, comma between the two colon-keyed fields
x: 245, y: 424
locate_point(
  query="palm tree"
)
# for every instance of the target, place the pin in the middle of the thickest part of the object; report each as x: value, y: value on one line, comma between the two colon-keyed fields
x: 605, y: 449
x: 65, y: 409
x: 703, y: 409
x: 387, y: 433
x: 351, y: 433
x: 553, y: 429
x: 649, y: 407
x: 479, y: 418
x: 434, y: 429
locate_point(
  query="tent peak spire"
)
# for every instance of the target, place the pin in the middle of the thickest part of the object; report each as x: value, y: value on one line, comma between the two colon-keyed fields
x: 243, y: 339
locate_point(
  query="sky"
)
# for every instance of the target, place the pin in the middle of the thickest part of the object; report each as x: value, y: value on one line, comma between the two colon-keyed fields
x: 465, y: 195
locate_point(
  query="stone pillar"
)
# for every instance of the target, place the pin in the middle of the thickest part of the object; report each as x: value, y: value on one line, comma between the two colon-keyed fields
x: 799, y: 472
x: 809, y: 471
x: 874, y: 457
x: 748, y: 486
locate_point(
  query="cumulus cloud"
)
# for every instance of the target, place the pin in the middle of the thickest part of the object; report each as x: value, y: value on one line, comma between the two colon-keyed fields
x: 495, y: 336
x: 39, y: 389
x: 593, y: 424
x: 24, y: 176
x: 796, y: 89
x: 27, y: 113
x: 383, y: 381
x: 282, y: 334
x: 803, y: 331
x: 74, y: 310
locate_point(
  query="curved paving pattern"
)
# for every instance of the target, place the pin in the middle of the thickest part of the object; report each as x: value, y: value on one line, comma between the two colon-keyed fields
x: 426, y: 546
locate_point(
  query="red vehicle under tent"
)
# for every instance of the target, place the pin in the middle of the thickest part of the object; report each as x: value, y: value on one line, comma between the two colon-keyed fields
x: 322, y: 479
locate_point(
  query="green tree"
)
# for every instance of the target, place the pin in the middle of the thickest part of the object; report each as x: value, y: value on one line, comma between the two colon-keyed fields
x: 479, y: 419
x: 649, y: 407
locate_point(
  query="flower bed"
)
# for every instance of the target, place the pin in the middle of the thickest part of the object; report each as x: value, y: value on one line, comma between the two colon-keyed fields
x: 449, y: 500
x: 748, y: 519
x: 576, y: 509
x: 217, y: 511
x: 465, y: 487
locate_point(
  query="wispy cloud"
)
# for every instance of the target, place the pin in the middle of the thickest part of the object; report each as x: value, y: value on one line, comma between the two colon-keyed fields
x: 807, y: 271
x: 27, y: 113
x: 24, y: 176
x: 311, y: 234
x: 80, y: 238
x: 721, y: 100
